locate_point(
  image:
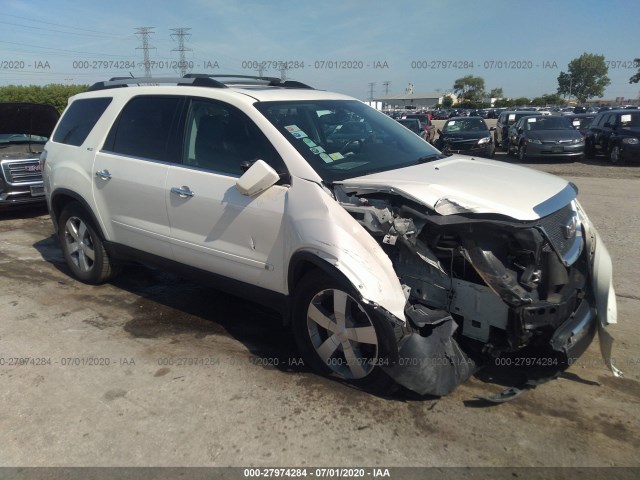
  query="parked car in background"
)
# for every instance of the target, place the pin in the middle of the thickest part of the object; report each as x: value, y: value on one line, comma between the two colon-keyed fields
x: 545, y: 136
x: 412, y: 124
x: 506, y: 119
x: 24, y: 130
x: 616, y: 134
x: 466, y: 135
x: 442, y: 114
x: 581, y: 121
x: 425, y: 123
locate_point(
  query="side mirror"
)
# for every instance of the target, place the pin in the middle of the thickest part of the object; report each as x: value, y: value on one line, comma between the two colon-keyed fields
x: 439, y: 132
x: 520, y: 129
x: 257, y: 179
x: 492, y: 129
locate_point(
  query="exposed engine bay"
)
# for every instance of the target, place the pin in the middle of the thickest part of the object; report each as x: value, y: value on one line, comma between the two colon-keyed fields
x: 479, y: 285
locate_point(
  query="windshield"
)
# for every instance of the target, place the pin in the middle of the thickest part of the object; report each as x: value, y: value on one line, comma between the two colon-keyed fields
x: 582, y: 122
x: 465, y: 125
x: 346, y: 138
x: 548, y: 123
x: 21, y: 137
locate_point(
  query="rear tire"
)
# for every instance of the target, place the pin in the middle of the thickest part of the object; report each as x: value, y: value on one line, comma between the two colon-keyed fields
x: 338, y: 335
x: 83, y: 248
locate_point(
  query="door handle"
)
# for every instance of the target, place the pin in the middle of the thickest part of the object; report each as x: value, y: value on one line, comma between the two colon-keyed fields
x: 103, y: 174
x: 182, y: 192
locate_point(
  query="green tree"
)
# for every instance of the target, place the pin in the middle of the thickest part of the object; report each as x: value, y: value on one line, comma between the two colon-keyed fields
x: 52, y: 94
x: 447, y: 101
x: 636, y: 77
x: 496, y: 93
x: 503, y: 102
x: 469, y: 88
x: 547, y: 99
x: 521, y: 102
x: 586, y: 78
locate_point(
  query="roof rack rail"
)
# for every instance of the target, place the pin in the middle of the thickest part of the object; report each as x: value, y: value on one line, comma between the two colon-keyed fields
x: 266, y: 81
x: 117, y: 82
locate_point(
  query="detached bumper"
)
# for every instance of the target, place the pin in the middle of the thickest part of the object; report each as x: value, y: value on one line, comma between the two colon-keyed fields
x: 430, y: 361
x: 574, y: 336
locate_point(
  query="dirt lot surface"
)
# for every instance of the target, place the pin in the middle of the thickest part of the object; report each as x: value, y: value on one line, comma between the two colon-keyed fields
x: 153, y: 370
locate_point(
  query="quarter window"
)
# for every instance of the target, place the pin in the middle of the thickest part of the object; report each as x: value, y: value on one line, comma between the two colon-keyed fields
x: 79, y: 119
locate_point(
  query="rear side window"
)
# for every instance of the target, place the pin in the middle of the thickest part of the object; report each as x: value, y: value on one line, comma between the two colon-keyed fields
x: 146, y: 128
x: 79, y: 119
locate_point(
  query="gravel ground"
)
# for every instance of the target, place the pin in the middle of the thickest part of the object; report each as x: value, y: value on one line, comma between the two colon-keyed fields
x: 231, y: 404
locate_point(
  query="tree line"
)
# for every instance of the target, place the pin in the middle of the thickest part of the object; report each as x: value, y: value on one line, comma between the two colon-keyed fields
x: 52, y: 94
x: 585, y: 78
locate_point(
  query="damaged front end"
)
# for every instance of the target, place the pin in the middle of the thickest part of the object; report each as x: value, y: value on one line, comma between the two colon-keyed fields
x: 481, y: 286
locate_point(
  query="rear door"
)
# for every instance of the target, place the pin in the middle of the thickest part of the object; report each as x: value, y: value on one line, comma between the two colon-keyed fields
x: 213, y: 226
x: 130, y: 172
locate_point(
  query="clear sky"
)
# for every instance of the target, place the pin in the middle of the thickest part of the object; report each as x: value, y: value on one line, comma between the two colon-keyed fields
x: 339, y: 45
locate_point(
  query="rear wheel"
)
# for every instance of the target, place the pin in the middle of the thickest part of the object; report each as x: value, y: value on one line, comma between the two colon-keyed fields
x: 339, y: 335
x: 83, y: 248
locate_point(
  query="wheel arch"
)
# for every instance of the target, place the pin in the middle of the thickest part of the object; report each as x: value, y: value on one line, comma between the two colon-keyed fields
x: 62, y: 197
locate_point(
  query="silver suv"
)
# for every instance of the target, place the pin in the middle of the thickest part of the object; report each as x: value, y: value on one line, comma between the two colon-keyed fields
x: 393, y: 264
x: 24, y: 129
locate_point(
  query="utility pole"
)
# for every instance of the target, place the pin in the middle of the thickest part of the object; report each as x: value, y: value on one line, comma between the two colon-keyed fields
x: 143, y: 33
x: 283, y: 73
x: 371, y: 85
x: 386, y: 84
x: 261, y: 70
x: 180, y: 34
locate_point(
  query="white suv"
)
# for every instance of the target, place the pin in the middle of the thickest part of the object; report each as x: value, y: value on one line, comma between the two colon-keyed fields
x: 393, y: 263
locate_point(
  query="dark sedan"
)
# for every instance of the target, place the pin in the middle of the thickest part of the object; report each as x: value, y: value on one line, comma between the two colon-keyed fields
x: 615, y: 133
x: 466, y: 135
x: 581, y: 121
x: 545, y: 136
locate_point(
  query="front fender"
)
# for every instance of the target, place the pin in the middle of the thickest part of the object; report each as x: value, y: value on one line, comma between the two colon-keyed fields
x: 321, y: 227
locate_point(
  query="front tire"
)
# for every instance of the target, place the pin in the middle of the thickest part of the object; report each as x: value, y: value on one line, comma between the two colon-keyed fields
x: 83, y: 248
x: 615, y: 155
x: 338, y: 335
x: 522, y: 152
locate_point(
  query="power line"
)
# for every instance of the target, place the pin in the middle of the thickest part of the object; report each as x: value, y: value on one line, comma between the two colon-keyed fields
x: 56, y: 31
x: 143, y: 33
x: 75, y: 27
x: 371, y: 85
x: 180, y: 34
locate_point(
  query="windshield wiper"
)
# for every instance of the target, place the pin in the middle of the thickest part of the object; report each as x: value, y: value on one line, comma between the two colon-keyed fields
x: 428, y: 158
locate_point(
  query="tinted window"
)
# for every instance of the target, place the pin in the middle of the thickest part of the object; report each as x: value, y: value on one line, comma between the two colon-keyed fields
x: 77, y: 122
x: 599, y: 120
x: 221, y: 138
x: 610, y: 119
x: 145, y: 128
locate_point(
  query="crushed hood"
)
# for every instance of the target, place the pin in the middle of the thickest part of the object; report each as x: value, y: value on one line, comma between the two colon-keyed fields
x: 462, y: 184
x: 28, y: 118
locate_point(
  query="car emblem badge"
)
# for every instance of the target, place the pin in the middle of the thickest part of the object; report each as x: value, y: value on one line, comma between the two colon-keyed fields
x: 569, y: 230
